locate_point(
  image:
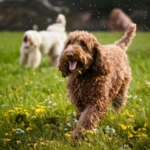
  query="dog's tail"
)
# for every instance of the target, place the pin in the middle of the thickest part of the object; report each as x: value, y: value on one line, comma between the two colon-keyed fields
x: 127, y: 38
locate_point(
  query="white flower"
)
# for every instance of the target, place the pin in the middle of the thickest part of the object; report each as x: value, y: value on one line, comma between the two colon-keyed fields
x: 49, y: 102
x: 94, y: 130
x: 75, y: 120
x: 107, y: 129
x: 66, y: 129
x: 125, y: 147
x: 21, y: 97
x: 68, y: 124
x: 113, y: 130
x: 19, y: 131
x: 54, y: 104
x: 110, y: 130
x: 129, y: 96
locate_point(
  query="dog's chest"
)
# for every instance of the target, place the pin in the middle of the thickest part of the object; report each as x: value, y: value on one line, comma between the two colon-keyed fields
x: 81, y: 91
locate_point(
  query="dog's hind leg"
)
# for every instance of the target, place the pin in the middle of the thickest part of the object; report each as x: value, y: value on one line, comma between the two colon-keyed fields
x: 121, y: 97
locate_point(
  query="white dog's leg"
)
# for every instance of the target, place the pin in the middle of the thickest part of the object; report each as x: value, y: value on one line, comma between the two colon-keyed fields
x: 55, y: 53
x: 34, y: 59
x: 23, y: 59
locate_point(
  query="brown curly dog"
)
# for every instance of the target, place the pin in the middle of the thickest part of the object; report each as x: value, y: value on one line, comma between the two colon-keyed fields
x: 118, y: 20
x: 97, y: 74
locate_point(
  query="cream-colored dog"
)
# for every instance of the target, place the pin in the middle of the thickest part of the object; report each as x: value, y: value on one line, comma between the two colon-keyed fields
x: 30, y: 54
x: 35, y: 44
x: 52, y: 45
x: 60, y: 25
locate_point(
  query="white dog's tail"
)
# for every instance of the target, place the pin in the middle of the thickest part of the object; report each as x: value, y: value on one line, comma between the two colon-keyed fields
x: 127, y: 38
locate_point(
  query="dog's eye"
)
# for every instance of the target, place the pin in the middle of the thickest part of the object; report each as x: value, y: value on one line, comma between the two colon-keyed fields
x: 83, y: 45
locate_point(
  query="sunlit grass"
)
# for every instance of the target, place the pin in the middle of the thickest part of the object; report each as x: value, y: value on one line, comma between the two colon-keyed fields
x: 36, y: 113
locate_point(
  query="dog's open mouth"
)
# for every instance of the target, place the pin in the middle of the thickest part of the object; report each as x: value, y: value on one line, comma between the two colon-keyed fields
x: 72, y: 65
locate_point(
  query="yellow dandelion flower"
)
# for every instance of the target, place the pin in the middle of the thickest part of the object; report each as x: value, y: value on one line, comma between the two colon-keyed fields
x: 42, y: 143
x: 31, y: 82
x: 13, y: 130
x: 52, y: 95
x: 39, y: 106
x: 5, y: 114
x: 130, y: 135
x: 17, y: 109
x: 6, y: 134
x: 132, y: 129
x: 67, y: 135
x: 89, y: 131
x: 83, y: 130
x: 10, y: 90
x: 136, y: 105
x: 33, y: 117
x: 112, y: 117
x: 145, y: 125
x: 123, y: 127
x: 142, y: 135
x: 11, y: 111
x: 129, y: 115
x: 144, y: 129
x: 25, y: 83
x: 40, y: 110
x: 148, y: 83
x: 141, y: 129
x: 46, y: 125
x: 35, y: 144
x: 28, y: 129
x: 7, y: 140
x: 51, y: 142
x: 18, y: 142
x: 33, y: 73
x: 27, y: 114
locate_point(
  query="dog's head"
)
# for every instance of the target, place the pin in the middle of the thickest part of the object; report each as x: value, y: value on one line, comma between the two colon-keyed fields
x: 82, y: 52
x: 31, y: 40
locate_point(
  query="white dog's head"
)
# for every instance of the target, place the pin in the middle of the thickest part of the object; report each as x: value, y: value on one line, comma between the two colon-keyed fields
x: 61, y: 19
x: 31, y: 40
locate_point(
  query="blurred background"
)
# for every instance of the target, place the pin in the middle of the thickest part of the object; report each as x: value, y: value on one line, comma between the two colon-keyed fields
x: 91, y: 15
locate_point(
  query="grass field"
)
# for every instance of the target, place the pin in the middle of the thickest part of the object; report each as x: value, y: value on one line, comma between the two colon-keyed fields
x: 35, y: 113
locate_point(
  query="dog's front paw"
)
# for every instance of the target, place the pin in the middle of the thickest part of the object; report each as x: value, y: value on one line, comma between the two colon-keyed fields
x: 75, y: 135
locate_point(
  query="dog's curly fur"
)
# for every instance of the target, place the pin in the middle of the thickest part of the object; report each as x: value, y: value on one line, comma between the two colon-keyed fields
x: 97, y: 75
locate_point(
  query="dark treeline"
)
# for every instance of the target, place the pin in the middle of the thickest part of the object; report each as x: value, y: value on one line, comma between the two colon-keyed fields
x: 91, y: 15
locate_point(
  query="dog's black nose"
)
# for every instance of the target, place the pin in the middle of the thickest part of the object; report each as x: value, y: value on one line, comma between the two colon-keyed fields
x: 69, y: 55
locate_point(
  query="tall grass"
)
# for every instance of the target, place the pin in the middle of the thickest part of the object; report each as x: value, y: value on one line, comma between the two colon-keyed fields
x: 36, y: 113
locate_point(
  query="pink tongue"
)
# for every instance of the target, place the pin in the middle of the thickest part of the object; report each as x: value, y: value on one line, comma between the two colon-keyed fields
x: 72, y: 65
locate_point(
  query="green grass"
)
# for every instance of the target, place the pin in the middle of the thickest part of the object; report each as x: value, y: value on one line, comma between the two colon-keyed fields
x: 35, y: 113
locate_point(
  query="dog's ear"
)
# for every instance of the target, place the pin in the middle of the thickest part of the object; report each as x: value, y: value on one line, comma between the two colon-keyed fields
x: 63, y: 66
x: 101, y: 64
x: 25, y: 38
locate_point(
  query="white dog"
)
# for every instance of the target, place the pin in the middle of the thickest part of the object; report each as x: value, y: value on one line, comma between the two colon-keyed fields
x: 45, y: 42
x: 60, y: 25
x: 30, y: 52
x: 52, y: 45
